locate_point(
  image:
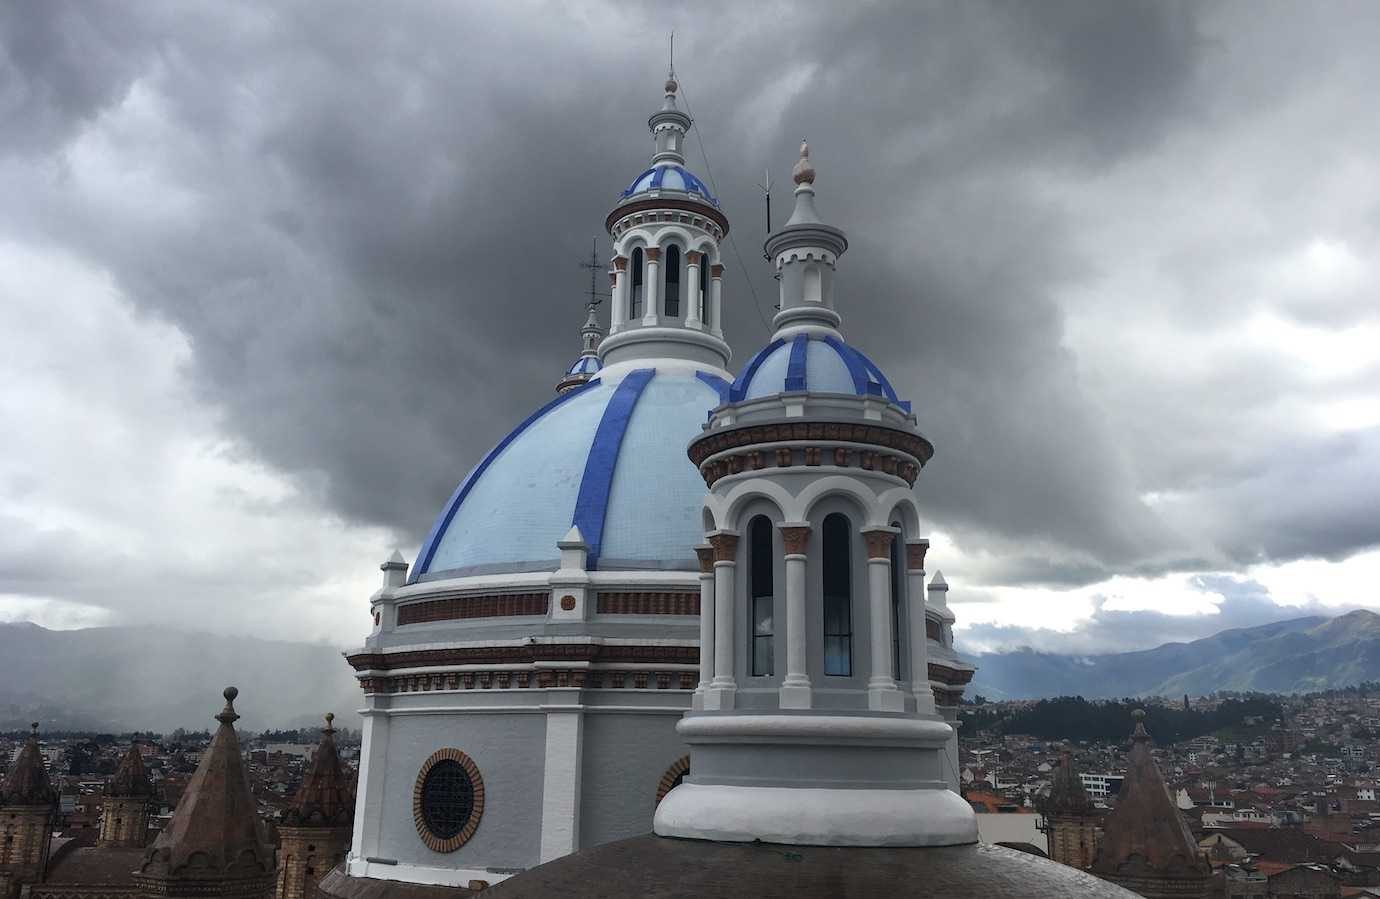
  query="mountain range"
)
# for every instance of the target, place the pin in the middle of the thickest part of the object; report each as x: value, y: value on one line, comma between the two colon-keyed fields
x: 1298, y: 655
x: 120, y: 679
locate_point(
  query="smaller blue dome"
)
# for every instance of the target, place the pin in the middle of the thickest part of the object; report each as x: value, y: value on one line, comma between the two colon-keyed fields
x: 669, y: 177
x: 814, y: 362
x: 586, y: 365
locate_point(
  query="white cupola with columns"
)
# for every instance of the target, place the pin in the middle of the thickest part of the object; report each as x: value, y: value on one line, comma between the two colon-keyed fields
x: 667, y: 274
x: 814, y: 721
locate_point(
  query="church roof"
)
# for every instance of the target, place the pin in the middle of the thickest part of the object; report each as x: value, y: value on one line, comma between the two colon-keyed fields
x: 669, y: 178
x: 820, y: 363
x: 215, y: 834
x: 326, y: 798
x: 27, y: 781
x: 1145, y: 837
x: 608, y: 457
x: 660, y: 868
x: 585, y: 365
x: 131, y: 778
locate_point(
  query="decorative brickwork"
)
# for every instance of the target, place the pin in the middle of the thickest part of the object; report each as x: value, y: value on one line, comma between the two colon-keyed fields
x: 693, y: 257
x: 524, y: 654
x: 583, y: 678
x: 701, y: 215
x: 420, y: 813
x: 658, y: 603
x: 653, y: 253
x: 705, y: 554
x: 496, y: 605
x: 878, y: 544
x: 736, y: 448
x: 567, y: 603
x: 674, y: 775
x: 954, y: 677
x: 915, y: 555
x: 620, y: 263
x: 725, y: 547
x: 716, y: 271
x: 794, y: 540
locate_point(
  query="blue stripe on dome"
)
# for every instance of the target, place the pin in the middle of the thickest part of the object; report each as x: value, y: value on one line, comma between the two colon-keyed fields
x: 740, y: 386
x: 659, y: 173
x: 856, y: 367
x: 632, y: 188
x: 718, y: 383
x: 877, y: 375
x: 433, y: 539
x: 795, y: 369
x: 593, y: 501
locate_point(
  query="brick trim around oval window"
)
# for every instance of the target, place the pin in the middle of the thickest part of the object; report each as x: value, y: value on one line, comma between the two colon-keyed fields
x: 668, y: 780
x: 432, y: 841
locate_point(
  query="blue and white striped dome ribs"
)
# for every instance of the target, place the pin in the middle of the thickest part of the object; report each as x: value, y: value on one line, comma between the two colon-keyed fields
x: 814, y: 362
x: 585, y: 365
x: 607, y: 457
x: 669, y: 177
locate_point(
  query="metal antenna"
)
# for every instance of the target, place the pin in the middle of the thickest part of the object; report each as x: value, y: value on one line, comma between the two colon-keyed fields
x: 595, y: 297
x: 766, y: 194
x: 673, y: 52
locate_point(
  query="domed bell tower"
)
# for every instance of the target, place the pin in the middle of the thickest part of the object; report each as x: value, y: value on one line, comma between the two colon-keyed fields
x: 667, y: 273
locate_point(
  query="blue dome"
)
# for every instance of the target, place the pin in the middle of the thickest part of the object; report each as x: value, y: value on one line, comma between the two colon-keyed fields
x: 607, y: 457
x: 669, y: 177
x: 814, y: 362
x: 585, y: 365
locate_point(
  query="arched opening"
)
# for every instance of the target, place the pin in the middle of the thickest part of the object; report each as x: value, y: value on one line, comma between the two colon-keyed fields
x: 762, y: 595
x: 635, y: 295
x: 672, y: 281
x: 813, y: 288
x: 838, y: 595
x: 899, y: 637
x: 704, y: 289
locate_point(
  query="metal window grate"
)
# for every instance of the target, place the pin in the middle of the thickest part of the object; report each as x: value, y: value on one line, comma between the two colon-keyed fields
x: 447, y: 798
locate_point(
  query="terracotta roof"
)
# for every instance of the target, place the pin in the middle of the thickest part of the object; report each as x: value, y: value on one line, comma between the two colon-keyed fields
x: 131, y: 778
x: 215, y: 837
x: 1144, y: 837
x: 27, y: 782
x: 326, y: 798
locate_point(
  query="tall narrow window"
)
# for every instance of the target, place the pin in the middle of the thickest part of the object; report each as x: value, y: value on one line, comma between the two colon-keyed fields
x: 838, y: 596
x: 704, y: 289
x: 898, y: 595
x: 762, y: 595
x: 672, y: 281
x: 635, y: 296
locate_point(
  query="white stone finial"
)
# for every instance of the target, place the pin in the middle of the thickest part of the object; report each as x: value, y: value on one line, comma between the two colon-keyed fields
x: 804, y: 171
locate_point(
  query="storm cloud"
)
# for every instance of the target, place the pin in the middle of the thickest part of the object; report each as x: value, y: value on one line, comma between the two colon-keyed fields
x: 280, y: 273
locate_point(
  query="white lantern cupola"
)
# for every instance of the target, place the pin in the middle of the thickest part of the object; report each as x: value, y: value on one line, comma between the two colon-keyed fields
x: 805, y: 252
x: 667, y: 273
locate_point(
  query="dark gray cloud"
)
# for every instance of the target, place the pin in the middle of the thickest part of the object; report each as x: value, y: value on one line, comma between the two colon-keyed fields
x: 366, y: 221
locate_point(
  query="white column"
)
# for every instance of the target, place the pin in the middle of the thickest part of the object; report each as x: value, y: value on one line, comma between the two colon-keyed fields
x: 915, y: 612
x: 651, y: 286
x: 723, y: 687
x: 716, y: 296
x: 560, y: 804
x: 692, y: 276
x: 373, y: 755
x: 618, y: 315
x: 705, y: 552
x: 882, y: 694
x: 795, y: 689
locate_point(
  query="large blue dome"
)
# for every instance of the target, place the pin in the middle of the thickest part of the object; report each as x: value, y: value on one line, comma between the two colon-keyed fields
x: 669, y: 177
x: 608, y: 457
x: 819, y: 363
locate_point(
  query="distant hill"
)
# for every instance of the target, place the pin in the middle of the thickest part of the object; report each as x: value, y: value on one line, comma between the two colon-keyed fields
x: 1302, y: 654
x: 124, y: 678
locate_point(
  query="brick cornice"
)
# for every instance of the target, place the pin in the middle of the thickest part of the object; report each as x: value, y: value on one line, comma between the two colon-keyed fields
x: 523, y: 654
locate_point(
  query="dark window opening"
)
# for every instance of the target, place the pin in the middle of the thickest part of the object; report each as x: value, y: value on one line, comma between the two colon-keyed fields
x: 447, y: 799
x: 762, y: 593
x: 838, y: 596
x: 635, y: 294
x: 704, y: 289
x: 898, y: 593
x: 672, y: 281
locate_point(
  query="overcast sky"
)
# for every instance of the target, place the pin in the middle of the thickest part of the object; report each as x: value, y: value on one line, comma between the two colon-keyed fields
x: 273, y: 276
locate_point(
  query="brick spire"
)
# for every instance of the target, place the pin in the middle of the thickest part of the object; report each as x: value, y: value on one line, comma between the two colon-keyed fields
x: 215, y: 844
x: 1146, y: 845
x: 325, y: 798
x: 131, y: 778
x: 1066, y: 793
x: 27, y: 782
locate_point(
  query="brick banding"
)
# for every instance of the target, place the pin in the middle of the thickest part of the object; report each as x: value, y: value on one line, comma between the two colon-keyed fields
x: 525, y: 654
x: 456, y: 608
x: 657, y: 603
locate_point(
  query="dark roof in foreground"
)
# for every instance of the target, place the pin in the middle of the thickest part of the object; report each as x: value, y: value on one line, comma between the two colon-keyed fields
x: 663, y: 868
x: 89, y: 866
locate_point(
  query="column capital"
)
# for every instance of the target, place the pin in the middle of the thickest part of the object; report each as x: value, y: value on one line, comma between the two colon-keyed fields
x: 693, y: 257
x: 716, y: 271
x: 794, y: 537
x: 620, y: 263
x: 879, y: 540
x: 652, y: 253
x: 915, y: 554
x: 705, y: 553
x: 725, y: 544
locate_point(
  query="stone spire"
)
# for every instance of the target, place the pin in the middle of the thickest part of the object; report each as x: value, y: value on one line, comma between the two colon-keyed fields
x: 27, y: 782
x: 1066, y: 792
x: 131, y: 778
x: 215, y: 844
x: 325, y: 798
x: 1146, y: 845
x: 805, y: 252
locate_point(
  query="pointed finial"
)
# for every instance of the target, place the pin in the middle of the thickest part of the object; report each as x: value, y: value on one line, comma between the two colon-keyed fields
x: 227, y: 715
x: 33, y: 727
x: 804, y: 172
x: 330, y: 726
x: 1140, y: 732
x: 671, y: 69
